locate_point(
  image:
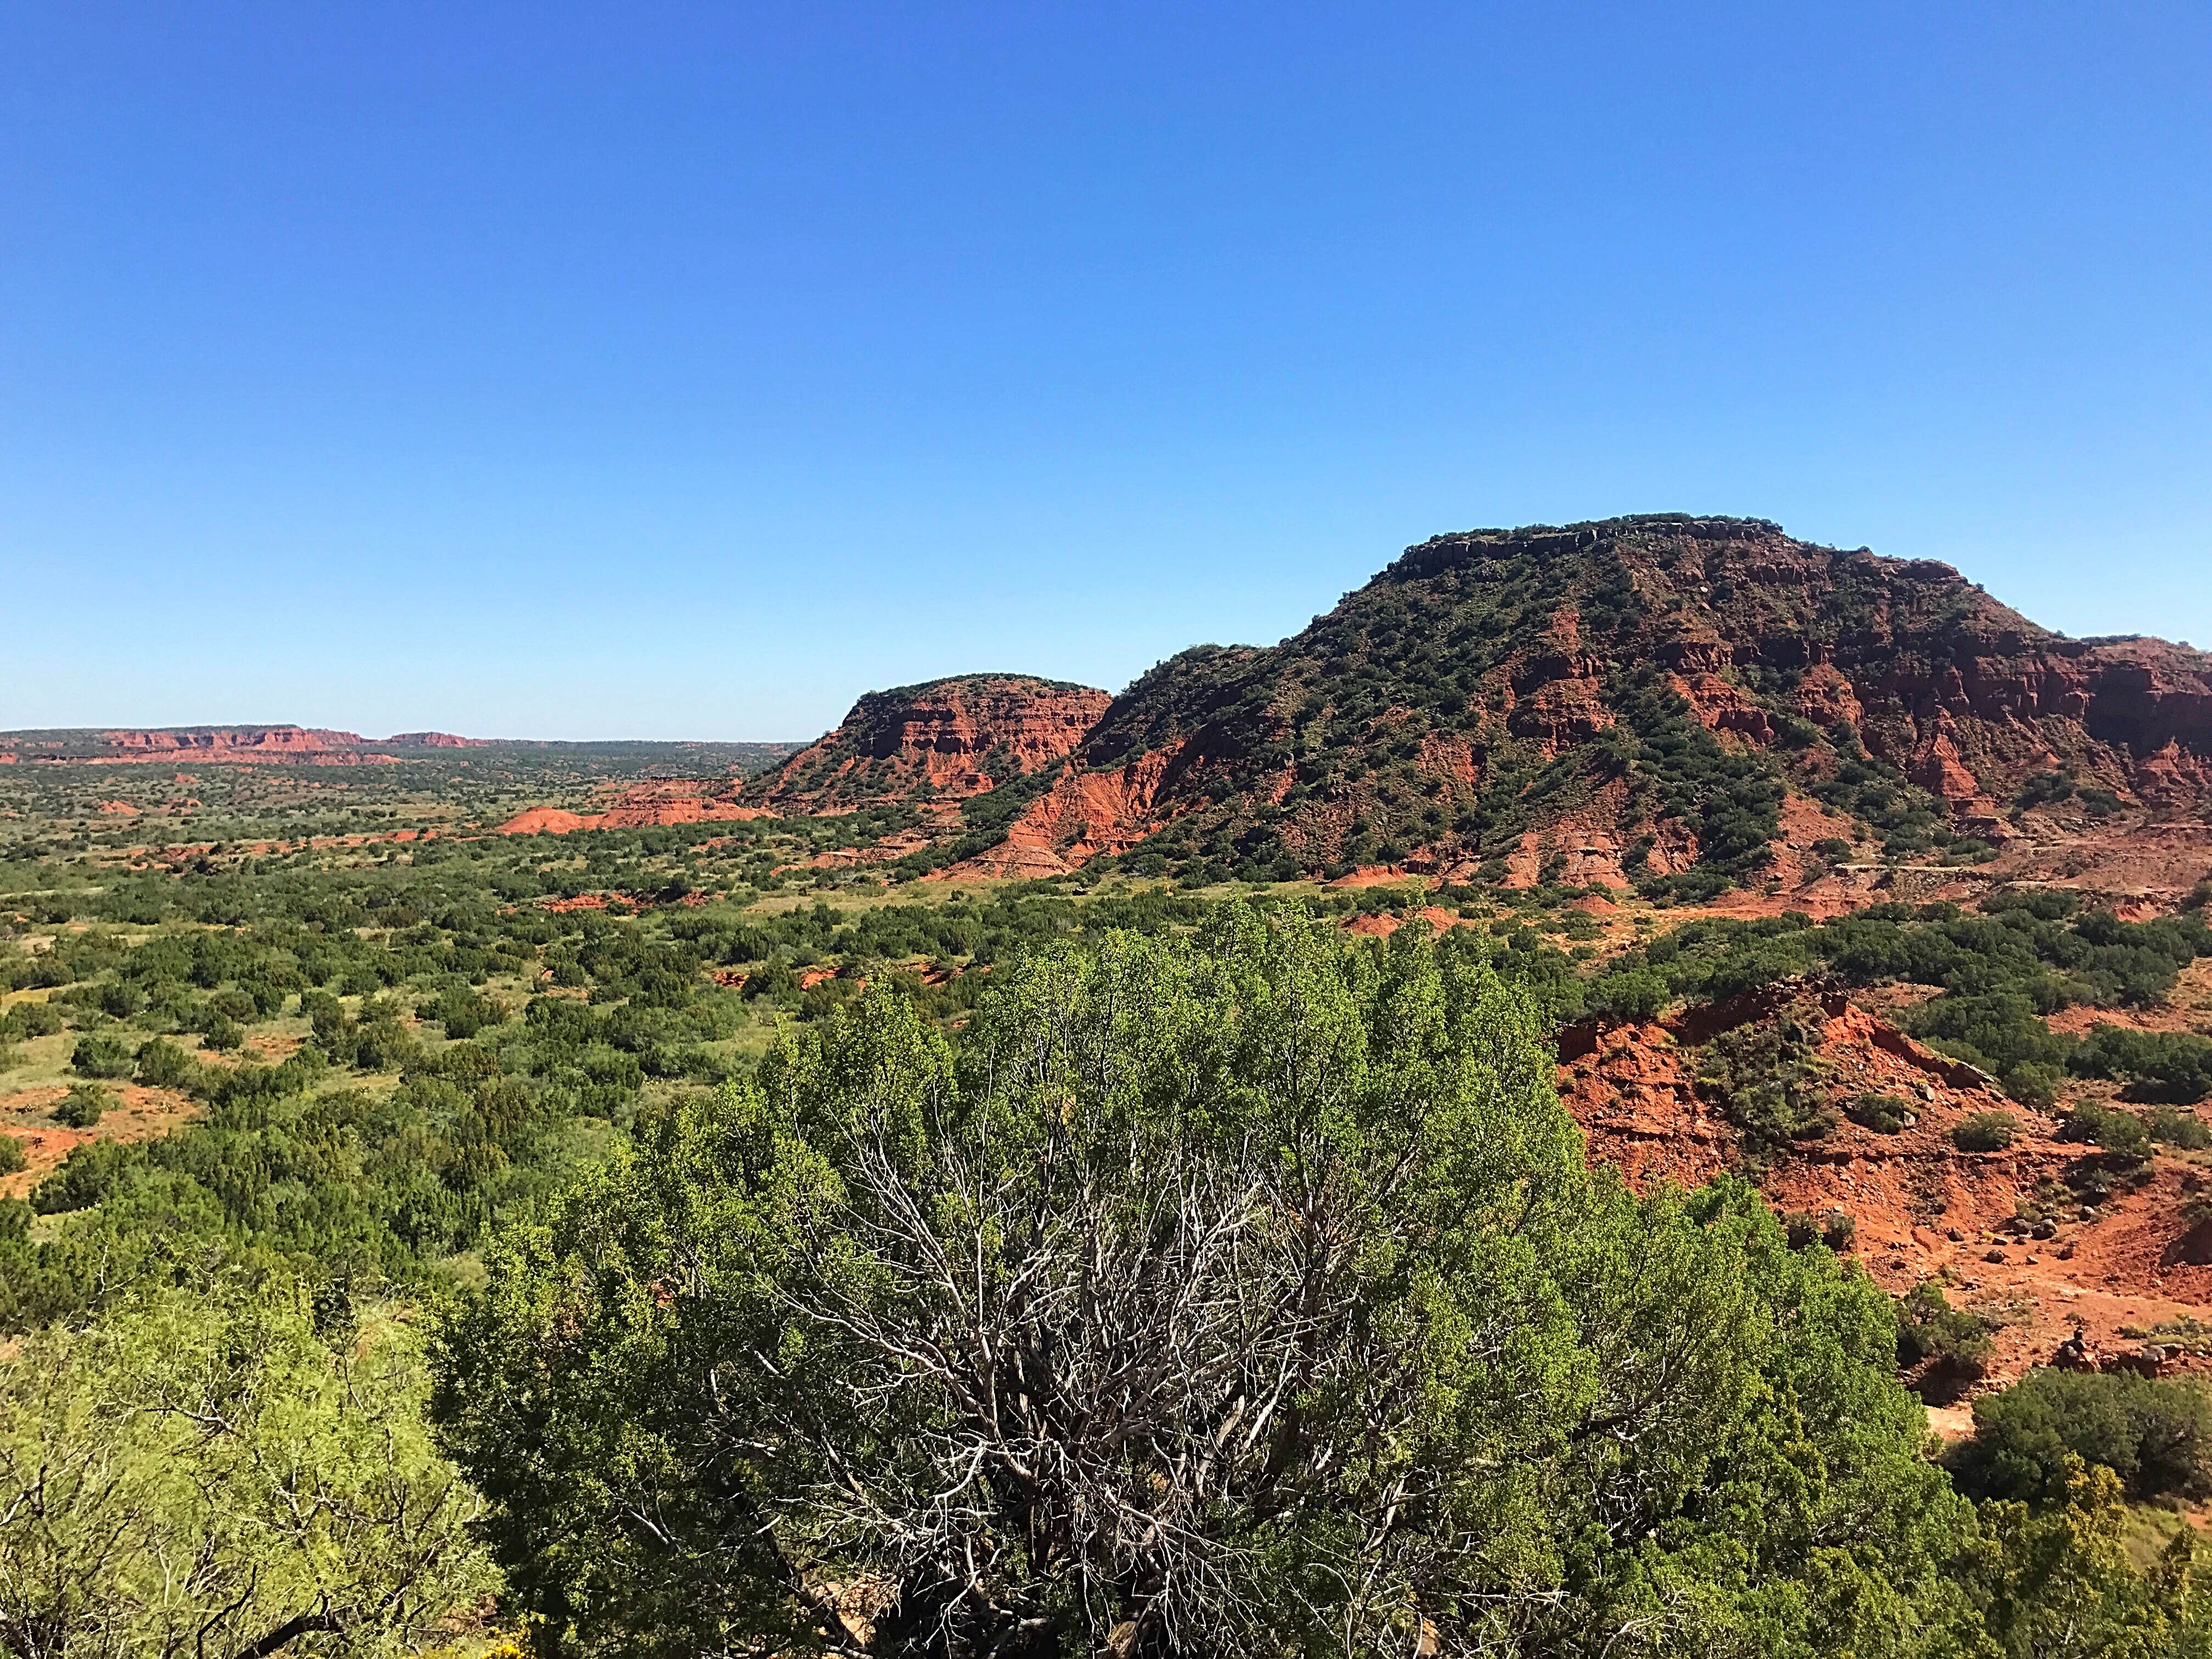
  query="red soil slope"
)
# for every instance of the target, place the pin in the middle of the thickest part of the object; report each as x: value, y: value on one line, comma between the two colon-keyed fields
x: 2112, y: 1272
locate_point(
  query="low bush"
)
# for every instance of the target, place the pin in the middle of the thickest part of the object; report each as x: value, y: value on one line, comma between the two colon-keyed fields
x: 1884, y: 1114
x: 221, y: 1033
x: 2123, y: 1134
x: 99, y: 1055
x: 1949, y: 1340
x: 30, y: 1019
x: 2155, y: 1434
x: 2171, y: 1126
x: 163, y: 1065
x: 1835, y: 1230
x: 1986, y: 1132
x: 1770, y: 1082
x: 81, y: 1107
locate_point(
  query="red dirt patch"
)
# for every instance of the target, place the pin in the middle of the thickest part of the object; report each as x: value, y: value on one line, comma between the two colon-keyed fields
x: 138, y: 1112
x: 1922, y: 1208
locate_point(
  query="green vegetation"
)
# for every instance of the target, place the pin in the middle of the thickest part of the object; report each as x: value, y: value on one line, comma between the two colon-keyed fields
x: 2025, y: 955
x: 1885, y: 1114
x: 1248, y: 1237
x: 1949, y: 1341
x: 1488, y: 686
x: 2155, y: 1434
x: 662, y: 1175
x: 1770, y: 1084
x: 1986, y: 1132
x: 81, y: 1107
x: 227, y: 1470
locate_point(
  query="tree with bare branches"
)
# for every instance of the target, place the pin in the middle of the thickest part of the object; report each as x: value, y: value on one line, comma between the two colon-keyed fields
x: 1245, y: 1294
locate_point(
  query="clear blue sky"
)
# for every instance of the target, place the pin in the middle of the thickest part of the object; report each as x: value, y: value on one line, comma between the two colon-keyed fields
x: 661, y: 371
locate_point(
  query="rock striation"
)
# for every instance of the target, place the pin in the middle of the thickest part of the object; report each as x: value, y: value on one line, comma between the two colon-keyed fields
x: 945, y: 740
x: 1642, y: 697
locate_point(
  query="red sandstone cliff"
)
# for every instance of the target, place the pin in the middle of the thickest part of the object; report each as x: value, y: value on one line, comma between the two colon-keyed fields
x: 947, y: 739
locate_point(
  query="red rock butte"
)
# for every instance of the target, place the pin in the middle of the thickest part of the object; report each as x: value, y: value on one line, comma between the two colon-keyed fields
x: 944, y: 740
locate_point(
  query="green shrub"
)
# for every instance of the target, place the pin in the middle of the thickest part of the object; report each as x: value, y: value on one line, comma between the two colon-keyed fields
x: 98, y: 1054
x: 1884, y: 1114
x: 2171, y: 1126
x: 11, y: 1154
x: 2033, y: 1083
x: 223, y: 1034
x: 238, y: 1005
x: 30, y: 1019
x: 81, y: 1107
x: 163, y: 1065
x: 2171, y: 1067
x: 1986, y: 1132
x: 1770, y: 1083
x: 2123, y: 1134
x: 462, y: 1013
x: 2155, y: 1434
x: 1949, y: 1339
x: 1835, y: 1230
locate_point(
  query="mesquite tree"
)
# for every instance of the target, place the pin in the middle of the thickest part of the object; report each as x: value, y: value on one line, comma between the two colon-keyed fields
x: 204, y: 1475
x: 1243, y: 1295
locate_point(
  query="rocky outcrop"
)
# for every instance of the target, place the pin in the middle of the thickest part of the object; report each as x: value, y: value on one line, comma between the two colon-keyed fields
x: 433, y: 740
x: 1081, y: 816
x: 1475, y: 705
x: 641, y: 805
x: 945, y: 740
x: 215, y: 742
x: 1694, y: 701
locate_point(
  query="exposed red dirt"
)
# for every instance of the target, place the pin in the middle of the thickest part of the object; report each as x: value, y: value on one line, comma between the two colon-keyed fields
x: 1082, y: 815
x: 1921, y: 1208
x: 135, y: 1113
x: 638, y: 806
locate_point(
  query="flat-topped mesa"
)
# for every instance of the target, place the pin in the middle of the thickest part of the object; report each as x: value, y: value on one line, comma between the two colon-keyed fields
x: 256, y: 740
x: 947, y: 739
x: 1639, y: 697
x: 433, y: 740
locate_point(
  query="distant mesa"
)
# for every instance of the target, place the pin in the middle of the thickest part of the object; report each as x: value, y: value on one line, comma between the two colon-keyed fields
x: 1687, y: 705
x: 929, y: 746
x: 281, y: 739
x: 216, y: 740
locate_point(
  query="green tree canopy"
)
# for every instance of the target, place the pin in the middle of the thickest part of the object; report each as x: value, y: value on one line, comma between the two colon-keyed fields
x: 1240, y: 1294
x: 204, y: 1475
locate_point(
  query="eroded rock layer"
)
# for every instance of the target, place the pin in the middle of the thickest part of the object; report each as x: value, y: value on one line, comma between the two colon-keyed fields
x: 945, y: 740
